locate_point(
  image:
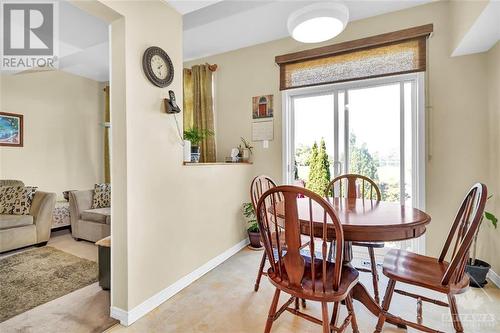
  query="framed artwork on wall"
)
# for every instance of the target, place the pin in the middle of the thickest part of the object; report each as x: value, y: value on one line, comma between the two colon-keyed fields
x: 11, y: 129
x: 262, y: 106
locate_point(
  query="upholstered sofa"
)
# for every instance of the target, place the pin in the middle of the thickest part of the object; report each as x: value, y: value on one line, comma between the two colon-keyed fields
x: 87, y: 223
x: 18, y: 231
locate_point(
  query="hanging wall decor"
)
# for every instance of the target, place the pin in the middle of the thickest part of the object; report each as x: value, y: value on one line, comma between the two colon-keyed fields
x: 11, y: 129
x: 262, y: 106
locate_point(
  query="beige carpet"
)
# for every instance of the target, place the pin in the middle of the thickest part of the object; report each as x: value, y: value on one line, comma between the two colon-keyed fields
x: 39, y: 275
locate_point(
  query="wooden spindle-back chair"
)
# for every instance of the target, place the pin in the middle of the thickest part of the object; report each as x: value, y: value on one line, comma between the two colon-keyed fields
x: 359, y: 186
x: 307, y: 276
x: 443, y: 276
x: 259, y: 185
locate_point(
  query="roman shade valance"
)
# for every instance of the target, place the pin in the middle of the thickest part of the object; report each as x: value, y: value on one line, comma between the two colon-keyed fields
x: 392, y: 53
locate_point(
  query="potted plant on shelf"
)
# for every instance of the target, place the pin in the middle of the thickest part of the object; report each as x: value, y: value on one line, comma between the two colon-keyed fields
x: 252, y: 225
x: 195, y: 136
x: 246, y: 150
x: 478, y: 269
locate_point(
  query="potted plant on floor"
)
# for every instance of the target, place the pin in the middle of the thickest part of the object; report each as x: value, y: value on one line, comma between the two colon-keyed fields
x: 476, y: 268
x: 252, y: 225
x: 195, y: 136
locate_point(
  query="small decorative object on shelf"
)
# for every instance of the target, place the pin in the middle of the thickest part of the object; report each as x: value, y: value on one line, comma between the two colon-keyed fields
x: 252, y: 226
x: 246, y: 150
x: 478, y: 269
x: 196, y: 136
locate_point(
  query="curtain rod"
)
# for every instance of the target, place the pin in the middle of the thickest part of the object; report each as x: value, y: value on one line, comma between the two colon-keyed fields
x: 212, y: 68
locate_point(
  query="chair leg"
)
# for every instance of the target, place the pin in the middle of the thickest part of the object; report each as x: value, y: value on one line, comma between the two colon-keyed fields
x: 374, y: 274
x: 296, y: 303
x: 454, y: 314
x: 304, y: 304
x: 335, y: 315
x: 326, y: 322
x: 272, y: 311
x: 261, y: 270
x: 350, y: 309
x: 385, y: 305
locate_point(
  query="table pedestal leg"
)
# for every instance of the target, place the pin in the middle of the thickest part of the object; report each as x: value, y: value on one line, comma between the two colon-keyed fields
x: 359, y: 291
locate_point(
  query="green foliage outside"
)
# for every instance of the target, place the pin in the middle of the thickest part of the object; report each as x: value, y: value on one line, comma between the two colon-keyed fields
x: 302, y: 155
x: 362, y: 162
x: 319, y: 172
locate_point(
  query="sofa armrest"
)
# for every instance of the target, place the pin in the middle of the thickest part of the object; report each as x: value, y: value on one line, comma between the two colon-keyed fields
x: 42, y: 210
x: 78, y: 202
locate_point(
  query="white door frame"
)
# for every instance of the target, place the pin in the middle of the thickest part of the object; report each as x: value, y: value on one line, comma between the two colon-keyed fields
x: 418, y: 130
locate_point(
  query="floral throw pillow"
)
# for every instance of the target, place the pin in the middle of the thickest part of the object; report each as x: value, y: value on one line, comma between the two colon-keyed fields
x: 102, y: 196
x: 16, y: 200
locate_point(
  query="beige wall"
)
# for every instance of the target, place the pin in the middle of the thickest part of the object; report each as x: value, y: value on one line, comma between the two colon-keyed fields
x: 463, y: 14
x: 489, y: 238
x: 62, y: 130
x: 456, y: 114
x: 171, y: 218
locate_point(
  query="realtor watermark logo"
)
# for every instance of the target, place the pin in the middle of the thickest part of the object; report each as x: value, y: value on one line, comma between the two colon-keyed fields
x: 29, y: 35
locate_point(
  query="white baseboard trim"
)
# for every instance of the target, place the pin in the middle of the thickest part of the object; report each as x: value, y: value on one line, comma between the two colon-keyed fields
x: 494, y: 277
x: 128, y: 318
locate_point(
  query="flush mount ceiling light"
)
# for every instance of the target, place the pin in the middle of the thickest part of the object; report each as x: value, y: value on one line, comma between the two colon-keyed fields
x: 318, y: 22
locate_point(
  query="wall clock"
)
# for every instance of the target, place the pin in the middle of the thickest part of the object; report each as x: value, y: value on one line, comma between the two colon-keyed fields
x: 158, y: 66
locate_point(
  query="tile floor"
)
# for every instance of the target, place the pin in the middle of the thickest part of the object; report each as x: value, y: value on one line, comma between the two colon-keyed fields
x: 224, y: 301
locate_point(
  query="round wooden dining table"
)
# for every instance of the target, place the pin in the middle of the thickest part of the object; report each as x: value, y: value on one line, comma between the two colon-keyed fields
x: 363, y: 220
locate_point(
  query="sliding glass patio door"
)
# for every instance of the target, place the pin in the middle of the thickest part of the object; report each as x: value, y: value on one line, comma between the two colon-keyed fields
x: 372, y: 127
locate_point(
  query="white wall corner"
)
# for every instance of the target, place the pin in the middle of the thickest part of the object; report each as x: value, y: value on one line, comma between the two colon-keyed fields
x: 128, y: 318
x: 494, y: 277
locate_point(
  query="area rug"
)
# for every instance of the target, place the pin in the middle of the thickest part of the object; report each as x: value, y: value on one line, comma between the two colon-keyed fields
x: 36, y: 276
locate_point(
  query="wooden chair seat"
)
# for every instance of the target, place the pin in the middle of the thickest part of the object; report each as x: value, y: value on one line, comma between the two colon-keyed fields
x: 349, y: 278
x: 374, y: 245
x: 437, y: 274
x: 304, y: 240
x: 302, y: 269
x: 419, y: 270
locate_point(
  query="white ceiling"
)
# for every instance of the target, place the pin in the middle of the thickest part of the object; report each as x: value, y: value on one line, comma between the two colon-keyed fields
x: 484, y: 33
x: 212, y: 27
x: 83, y: 44
x: 188, y: 6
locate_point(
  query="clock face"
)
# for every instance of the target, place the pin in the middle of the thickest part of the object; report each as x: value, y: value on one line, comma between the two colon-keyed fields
x: 158, y: 66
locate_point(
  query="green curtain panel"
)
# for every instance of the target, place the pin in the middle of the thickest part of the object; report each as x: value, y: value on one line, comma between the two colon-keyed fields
x: 198, y: 106
x: 107, y: 119
x: 188, y: 99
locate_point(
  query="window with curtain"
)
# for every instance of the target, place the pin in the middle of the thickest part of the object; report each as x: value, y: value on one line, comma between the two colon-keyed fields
x: 198, y: 106
x: 398, y: 52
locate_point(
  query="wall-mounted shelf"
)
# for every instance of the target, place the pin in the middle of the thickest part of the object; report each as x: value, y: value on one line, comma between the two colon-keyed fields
x: 216, y: 163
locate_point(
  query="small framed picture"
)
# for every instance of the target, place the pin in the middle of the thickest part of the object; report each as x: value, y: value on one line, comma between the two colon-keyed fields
x: 262, y: 106
x: 11, y: 129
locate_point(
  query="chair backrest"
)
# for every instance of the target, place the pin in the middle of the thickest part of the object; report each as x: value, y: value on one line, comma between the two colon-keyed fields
x: 315, y: 213
x: 352, y: 185
x: 462, y: 233
x: 260, y: 184
x: 11, y: 182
